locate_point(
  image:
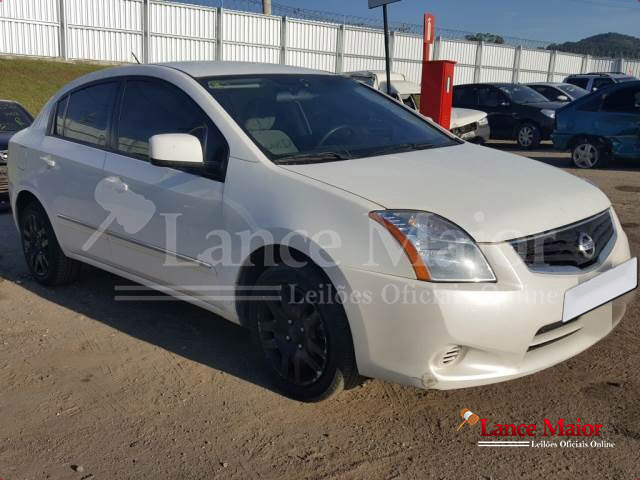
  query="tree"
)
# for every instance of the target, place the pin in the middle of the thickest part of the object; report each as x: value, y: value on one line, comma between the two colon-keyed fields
x: 485, y: 37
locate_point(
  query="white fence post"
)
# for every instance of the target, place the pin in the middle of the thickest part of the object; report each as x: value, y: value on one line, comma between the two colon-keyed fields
x: 62, y: 32
x: 552, y: 66
x: 586, y: 63
x: 146, y: 38
x: 437, y: 46
x: 477, y: 72
x: 283, y: 40
x: 340, y: 49
x: 517, y: 59
x: 219, y: 34
x: 392, y: 47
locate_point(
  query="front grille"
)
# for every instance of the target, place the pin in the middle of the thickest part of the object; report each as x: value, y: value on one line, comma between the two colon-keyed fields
x: 4, y: 181
x: 578, y: 245
x: 459, y: 131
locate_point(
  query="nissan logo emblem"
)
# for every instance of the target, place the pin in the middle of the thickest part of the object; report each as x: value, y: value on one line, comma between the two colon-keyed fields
x: 586, y: 246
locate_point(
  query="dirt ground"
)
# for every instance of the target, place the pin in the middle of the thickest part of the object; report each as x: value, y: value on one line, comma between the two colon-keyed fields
x: 93, y: 388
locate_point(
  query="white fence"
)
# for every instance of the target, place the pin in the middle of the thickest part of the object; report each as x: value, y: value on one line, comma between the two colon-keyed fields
x: 160, y: 31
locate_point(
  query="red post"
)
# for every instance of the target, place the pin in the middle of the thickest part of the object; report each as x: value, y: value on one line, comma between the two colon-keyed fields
x: 436, y: 92
x: 429, y: 36
x: 436, y: 95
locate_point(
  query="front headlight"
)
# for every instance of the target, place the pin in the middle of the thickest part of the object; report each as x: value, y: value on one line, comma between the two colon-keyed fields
x: 438, y: 250
x: 483, y: 121
x: 549, y: 113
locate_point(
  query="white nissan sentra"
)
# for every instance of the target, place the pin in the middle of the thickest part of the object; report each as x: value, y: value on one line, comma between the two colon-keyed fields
x: 353, y: 237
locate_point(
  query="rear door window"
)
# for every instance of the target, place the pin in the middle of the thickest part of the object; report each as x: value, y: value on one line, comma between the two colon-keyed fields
x: 464, y: 96
x: 88, y: 114
x: 579, y: 82
x: 625, y: 100
x: 601, y: 82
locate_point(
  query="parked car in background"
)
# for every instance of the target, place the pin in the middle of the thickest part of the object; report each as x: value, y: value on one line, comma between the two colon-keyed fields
x: 470, y: 125
x: 338, y: 226
x: 516, y: 112
x: 602, y: 125
x: 595, y: 81
x: 558, y: 92
x: 13, y: 118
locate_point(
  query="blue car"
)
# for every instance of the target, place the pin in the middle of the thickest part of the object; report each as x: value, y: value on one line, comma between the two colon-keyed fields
x: 600, y: 126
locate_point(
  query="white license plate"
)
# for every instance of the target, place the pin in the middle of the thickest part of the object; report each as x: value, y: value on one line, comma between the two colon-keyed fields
x: 600, y: 289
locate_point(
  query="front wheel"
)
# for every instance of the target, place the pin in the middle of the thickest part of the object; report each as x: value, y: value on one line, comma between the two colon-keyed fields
x: 528, y: 136
x: 303, y: 333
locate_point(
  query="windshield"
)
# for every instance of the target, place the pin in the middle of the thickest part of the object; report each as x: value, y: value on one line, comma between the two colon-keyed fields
x: 575, y: 92
x: 522, y: 94
x: 321, y: 117
x: 13, y: 118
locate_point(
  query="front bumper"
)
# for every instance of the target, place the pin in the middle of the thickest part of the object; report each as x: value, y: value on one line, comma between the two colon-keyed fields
x: 408, y: 330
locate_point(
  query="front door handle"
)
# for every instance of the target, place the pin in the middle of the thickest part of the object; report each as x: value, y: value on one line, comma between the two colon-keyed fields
x: 118, y: 185
x: 49, y: 162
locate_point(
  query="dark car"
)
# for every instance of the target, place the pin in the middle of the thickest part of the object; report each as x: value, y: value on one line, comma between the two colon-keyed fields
x: 600, y: 126
x: 13, y: 118
x: 558, y: 92
x: 516, y: 112
x: 597, y: 80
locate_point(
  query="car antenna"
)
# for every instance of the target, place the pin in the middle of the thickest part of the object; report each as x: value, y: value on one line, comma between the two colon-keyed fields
x: 136, y: 58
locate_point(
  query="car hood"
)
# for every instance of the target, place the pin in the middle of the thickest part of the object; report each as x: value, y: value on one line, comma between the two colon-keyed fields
x: 546, y: 105
x: 465, y: 116
x: 494, y: 196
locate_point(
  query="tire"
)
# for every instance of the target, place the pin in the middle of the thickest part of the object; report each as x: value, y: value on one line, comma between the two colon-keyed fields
x: 306, y: 346
x: 528, y: 136
x: 42, y: 252
x: 588, y: 153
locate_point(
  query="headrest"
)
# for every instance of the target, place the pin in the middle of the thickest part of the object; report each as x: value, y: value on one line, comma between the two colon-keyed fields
x: 260, y: 123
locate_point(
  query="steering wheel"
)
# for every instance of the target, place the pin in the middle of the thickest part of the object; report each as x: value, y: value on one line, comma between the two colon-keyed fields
x: 332, y: 132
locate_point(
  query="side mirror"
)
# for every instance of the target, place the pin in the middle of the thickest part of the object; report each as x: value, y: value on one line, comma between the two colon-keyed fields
x: 562, y: 98
x: 175, y: 150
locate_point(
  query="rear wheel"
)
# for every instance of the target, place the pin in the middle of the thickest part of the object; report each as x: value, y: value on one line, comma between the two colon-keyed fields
x: 42, y: 252
x: 303, y: 334
x: 528, y: 136
x: 588, y: 153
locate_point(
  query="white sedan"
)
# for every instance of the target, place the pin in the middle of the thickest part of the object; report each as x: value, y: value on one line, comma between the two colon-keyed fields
x: 351, y: 236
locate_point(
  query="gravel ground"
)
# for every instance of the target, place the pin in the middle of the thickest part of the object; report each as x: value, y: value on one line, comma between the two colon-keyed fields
x: 98, y: 389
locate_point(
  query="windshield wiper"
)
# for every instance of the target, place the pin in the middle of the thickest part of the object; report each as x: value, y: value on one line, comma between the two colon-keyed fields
x: 313, y: 157
x: 400, y: 148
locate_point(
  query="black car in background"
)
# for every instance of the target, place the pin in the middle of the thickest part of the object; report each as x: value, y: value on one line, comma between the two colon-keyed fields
x: 558, y: 92
x: 13, y: 118
x: 516, y: 112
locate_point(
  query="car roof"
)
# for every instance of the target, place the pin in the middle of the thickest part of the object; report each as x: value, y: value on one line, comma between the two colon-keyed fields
x: 548, y: 84
x: 215, y: 69
x: 600, y: 74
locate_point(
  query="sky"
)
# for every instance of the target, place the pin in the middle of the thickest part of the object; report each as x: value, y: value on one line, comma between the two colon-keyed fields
x: 546, y: 20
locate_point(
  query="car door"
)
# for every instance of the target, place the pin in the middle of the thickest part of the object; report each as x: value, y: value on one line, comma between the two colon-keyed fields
x: 163, y: 217
x: 499, y: 111
x: 70, y: 165
x: 619, y: 118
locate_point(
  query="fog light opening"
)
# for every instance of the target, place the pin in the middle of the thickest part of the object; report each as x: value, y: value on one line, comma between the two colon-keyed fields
x: 451, y: 356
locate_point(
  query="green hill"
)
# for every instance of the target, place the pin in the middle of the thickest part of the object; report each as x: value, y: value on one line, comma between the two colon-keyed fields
x: 32, y: 82
x: 604, y: 45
